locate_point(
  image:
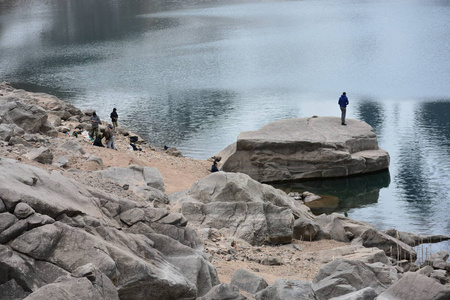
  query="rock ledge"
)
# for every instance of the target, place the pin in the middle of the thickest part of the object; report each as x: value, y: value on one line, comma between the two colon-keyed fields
x: 306, y: 148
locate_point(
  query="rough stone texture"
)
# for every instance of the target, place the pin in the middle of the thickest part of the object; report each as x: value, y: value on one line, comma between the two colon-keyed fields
x: 6, y: 221
x: 305, y: 229
x: 10, y: 290
x: 48, y: 102
x: 42, y: 155
x: 391, y: 246
x: 23, y: 210
x: 367, y: 293
x: 248, y: 281
x: 135, y: 174
x: 306, y: 148
x: 350, y: 252
x: 223, y: 291
x: 30, y: 118
x: 6, y: 132
x: 61, y: 162
x: 2, y: 207
x: 413, y: 239
x: 239, y: 206
x: 158, y: 257
x: 284, y: 289
x: 415, y: 286
x: 342, y: 276
x: 72, y: 147
x: 255, y: 223
x: 69, y: 288
x: 237, y: 187
x: 145, y: 182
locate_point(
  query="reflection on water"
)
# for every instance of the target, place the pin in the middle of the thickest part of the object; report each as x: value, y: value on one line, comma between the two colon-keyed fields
x: 191, y: 111
x: 342, y: 194
x: 371, y: 112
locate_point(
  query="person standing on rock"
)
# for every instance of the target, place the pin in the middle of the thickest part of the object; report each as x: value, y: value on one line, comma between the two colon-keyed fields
x: 114, y: 116
x: 95, y: 121
x: 343, y: 102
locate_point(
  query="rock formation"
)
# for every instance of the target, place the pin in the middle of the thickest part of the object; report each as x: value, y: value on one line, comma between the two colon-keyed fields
x: 241, y: 207
x: 50, y: 226
x: 305, y: 148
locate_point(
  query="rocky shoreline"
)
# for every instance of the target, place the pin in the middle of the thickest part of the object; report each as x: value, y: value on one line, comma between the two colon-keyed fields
x: 84, y: 222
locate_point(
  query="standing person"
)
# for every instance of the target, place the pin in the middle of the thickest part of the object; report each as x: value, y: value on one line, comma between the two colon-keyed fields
x: 114, y: 117
x: 95, y: 121
x: 109, y: 137
x: 343, y: 102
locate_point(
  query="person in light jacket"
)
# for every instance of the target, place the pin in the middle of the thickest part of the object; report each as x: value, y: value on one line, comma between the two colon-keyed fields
x: 109, y: 137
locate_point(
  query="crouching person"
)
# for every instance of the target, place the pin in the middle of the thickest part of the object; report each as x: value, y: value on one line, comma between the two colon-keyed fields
x: 109, y: 137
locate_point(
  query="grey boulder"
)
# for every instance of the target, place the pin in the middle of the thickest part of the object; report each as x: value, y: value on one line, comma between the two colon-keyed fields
x: 284, y: 289
x: 343, y: 276
x: 248, y: 281
x: 305, y: 148
x: 223, y: 291
x: 42, y: 155
x: 415, y: 286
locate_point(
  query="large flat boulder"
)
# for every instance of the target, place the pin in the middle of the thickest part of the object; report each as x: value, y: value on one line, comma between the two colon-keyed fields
x: 305, y: 148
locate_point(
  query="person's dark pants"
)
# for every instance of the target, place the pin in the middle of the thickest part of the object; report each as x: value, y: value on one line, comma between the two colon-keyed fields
x: 343, y: 111
x: 93, y: 133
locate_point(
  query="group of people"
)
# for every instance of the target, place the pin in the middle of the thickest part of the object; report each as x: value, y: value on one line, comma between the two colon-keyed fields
x: 109, y: 132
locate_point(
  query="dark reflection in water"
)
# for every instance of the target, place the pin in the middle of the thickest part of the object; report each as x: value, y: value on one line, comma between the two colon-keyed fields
x: 88, y: 21
x: 372, y: 113
x: 435, y: 116
x: 180, y: 114
x: 419, y: 173
x: 341, y: 194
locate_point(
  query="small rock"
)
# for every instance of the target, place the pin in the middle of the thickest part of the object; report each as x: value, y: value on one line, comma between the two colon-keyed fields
x: 23, y: 210
x: 42, y: 155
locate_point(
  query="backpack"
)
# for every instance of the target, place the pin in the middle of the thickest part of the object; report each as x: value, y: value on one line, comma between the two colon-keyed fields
x: 98, y: 142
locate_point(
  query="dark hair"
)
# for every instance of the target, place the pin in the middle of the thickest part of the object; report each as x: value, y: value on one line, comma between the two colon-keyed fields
x: 344, y: 93
x: 94, y: 114
x: 114, y: 109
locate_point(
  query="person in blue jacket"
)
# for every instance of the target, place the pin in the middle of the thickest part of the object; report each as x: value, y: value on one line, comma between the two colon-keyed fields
x: 343, y: 102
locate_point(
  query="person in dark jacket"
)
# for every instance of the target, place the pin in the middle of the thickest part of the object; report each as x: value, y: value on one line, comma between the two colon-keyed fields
x: 114, y: 116
x: 343, y: 102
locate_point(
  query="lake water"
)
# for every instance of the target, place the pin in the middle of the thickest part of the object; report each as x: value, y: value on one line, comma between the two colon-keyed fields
x: 194, y: 74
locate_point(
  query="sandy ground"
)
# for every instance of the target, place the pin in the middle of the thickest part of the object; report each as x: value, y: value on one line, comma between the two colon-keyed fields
x: 295, y: 258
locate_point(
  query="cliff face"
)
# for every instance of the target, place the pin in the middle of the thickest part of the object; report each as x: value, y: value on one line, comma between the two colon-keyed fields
x: 306, y: 148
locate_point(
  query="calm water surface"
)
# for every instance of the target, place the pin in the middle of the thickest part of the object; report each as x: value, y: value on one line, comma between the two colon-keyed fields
x: 194, y: 74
